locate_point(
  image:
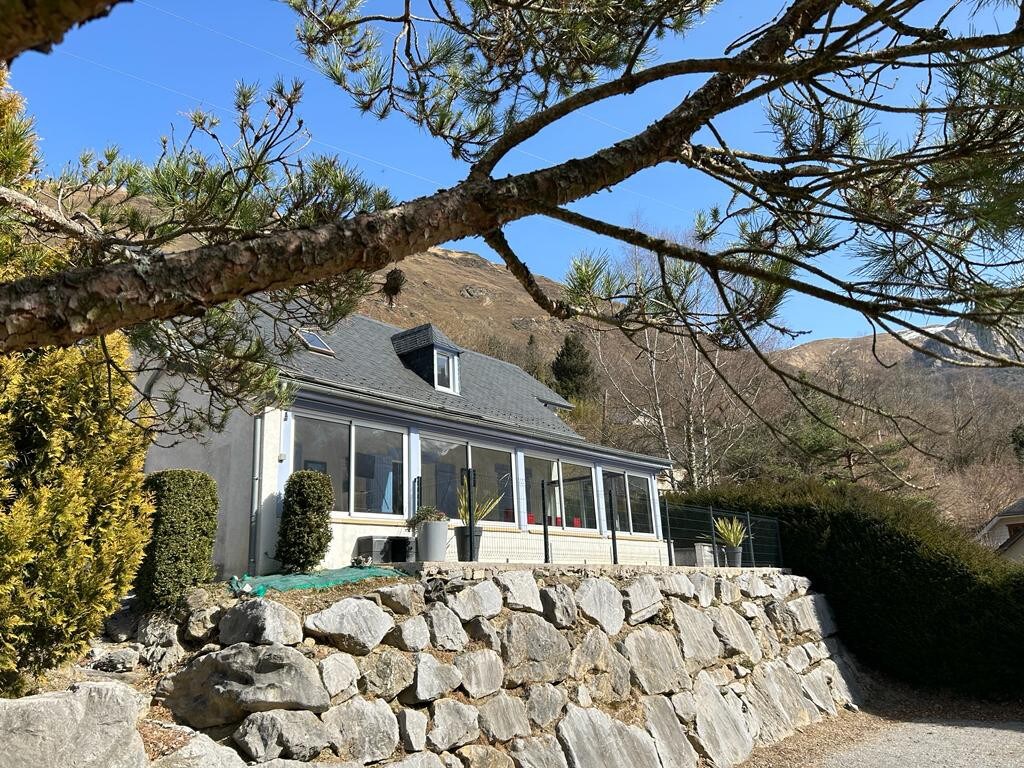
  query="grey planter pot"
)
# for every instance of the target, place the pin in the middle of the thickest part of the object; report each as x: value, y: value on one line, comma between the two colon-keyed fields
x: 734, y: 556
x: 432, y: 541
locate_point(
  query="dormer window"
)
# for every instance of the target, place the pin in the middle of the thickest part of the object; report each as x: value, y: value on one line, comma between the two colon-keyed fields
x: 445, y: 372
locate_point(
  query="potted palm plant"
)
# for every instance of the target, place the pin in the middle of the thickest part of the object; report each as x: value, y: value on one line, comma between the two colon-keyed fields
x: 732, y: 533
x: 482, y: 509
x: 430, y: 527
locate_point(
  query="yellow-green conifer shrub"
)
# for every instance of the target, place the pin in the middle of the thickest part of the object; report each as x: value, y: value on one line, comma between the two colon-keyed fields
x: 73, y: 514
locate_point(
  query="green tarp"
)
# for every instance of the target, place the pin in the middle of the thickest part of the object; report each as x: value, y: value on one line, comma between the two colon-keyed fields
x: 282, y: 582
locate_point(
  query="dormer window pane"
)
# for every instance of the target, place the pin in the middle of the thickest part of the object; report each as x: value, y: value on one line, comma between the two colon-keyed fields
x: 443, y: 366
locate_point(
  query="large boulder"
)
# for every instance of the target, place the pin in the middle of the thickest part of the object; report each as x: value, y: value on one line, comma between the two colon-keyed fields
x: 433, y: 679
x: 352, y: 625
x: 340, y: 675
x: 406, y: 599
x: 482, y: 756
x: 118, y: 660
x: 520, y: 590
x: 413, y: 634
x: 298, y: 735
x: 365, y: 730
x: 226, y: 685
x: 720, y: 729
x: 412, y: 727
x: 592, y: 739
x: 673, y: 747
x: 537, y: 752
x: 655, y: 660
x: 446, y: 632
x: 261, y: 622
x: 737, y: 636
x: 812, y: 614
x: 533, y: 650
x: 544, y: 703
x: 482, y: 672
x: 483, y: 599
x: 158, y: 634
x: 605, y: 670
x: 559, y: 605
x: 700, y: 644
x: 386, y: 673
x: 455, y: 724
x: 503, y: 717
x: 601, y: 602
x: 203, y: 752
x: 642, y: 599
x: 776, y: 697
x: 92, y: 725
x: 704, y: 588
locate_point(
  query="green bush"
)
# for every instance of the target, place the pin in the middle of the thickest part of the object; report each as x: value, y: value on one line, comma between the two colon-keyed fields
x: 180, y: 552
x: 305, y: 531
x: 913, y: 595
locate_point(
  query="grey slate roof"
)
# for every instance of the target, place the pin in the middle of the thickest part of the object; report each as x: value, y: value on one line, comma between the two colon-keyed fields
x: 426, y: 335
x: 365, y: 362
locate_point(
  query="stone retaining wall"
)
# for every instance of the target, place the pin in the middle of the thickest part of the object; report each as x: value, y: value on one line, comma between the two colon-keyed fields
x: 494, y: 667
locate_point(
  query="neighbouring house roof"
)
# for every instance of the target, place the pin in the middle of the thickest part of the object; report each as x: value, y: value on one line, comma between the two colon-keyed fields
x: 1015, y: 509
x: 366, y: 363
x: 1011, y: 542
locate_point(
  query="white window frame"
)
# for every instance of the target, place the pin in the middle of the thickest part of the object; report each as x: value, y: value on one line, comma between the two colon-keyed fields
x: 558, y: 471
x: 352, y: 423
x: 510, y: 450
x: 559, y: 461
x: 453, y: 371
x: 625, y: 474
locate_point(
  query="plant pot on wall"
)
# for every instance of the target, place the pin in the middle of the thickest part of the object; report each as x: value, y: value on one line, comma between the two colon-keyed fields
x: 734, y: 556
x: 462, y: 541
x: 432, y: 541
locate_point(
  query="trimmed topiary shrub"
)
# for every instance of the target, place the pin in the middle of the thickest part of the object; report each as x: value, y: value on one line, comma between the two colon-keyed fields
x: 180, y: 552
x: 305, y: 531
x: 913, y: 595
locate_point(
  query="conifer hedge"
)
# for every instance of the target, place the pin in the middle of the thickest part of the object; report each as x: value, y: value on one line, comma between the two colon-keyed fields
x: 180, y: 552
x: 305, y: 531
x: 914, y: 596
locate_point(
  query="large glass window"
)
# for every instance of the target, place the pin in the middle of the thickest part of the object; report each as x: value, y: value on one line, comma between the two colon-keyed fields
x: 615, y: 500
x: 323, y: 446
x: 542, y: 491
x: 441, y: 465
x: 494, y: 481
x: 640, y: 504
x: 578, y: 492
x: 378, y: 471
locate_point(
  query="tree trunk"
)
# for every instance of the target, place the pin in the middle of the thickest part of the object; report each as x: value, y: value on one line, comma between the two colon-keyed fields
x: 40, y: 24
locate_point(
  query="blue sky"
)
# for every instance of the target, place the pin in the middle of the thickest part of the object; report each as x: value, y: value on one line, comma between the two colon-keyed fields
x: 125, y: 79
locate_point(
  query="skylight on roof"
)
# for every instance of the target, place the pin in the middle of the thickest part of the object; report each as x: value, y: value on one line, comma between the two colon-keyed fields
x: 314, y: 343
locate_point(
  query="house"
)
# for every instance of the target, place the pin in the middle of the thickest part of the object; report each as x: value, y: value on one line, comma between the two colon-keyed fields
x: 1005, y: 532
x: 395, y: 417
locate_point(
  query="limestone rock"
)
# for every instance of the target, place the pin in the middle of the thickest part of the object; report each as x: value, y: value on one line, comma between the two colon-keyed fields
x: 201, y: 623
x: 483, y: 599
x: 157, y: 629
x: 482, y: 672
x: 592, y: 739
x: 203, y: 752
x: 162, y: 658
x: 726, y: 591
x: 120, y: 660
x: 816, y: 688
x: 775, y: 695
x: 419, y: 760
x: 781, y: 586
x: 601, y: 602
x: 455, y: 724
x: 670, y: 740
x: 720, y: 729
x: 677, y: 585
x: 92, y: 725
x: 697, y: 637
x: 446, y: 632
x: 737, y: 636
x: 811, y: 613
x: 544, y: 703
x: 433, y: 678
x: 685, y: 706
x: 281, y: 733
x: 752, y: 585
x: 533, y: 650
x: 224, y: 686
x: 122, y: 625
x: 483, y: 630
x: 261, y: 622
x: 559, y: 605
x: 537, y: 752
x: 520, y: 590
x: 603, y: 668
x: 642, y: 599
x: 704, y: 588
x: 386, y: 673
x: 503, y: 717
x: 365, y: 730
x: 798, y: 660
x: 412, y: 727
x: 479, y: 756
x: 413, y: 634
x: 340, y: 675
x: 352, y: 625
x: 780, y: 618
x: 405, y: 599
x: 655, y: 660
